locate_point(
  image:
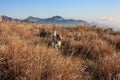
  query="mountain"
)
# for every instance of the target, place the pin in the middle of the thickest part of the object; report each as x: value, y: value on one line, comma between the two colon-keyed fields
x: 52, y: 20
x: 6, y: 18
x: 55, y: 20
x: 58, y: 20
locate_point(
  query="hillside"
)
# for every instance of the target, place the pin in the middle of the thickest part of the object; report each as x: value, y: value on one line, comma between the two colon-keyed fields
x: 87, y: 53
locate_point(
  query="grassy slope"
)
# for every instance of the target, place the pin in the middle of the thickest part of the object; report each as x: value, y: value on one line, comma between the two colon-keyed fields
x: 86, y: 53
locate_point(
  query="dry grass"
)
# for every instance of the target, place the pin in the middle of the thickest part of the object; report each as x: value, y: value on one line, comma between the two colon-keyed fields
x: 106, y: 69
x: 86, y: 53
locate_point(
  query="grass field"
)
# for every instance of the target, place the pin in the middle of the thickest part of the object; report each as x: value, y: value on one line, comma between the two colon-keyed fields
x: 87, y: 53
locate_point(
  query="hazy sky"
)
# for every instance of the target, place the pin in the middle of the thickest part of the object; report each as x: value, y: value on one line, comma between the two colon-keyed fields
x: 98, y: 10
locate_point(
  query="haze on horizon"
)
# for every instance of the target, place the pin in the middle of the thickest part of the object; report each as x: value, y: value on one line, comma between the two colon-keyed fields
x: 102, y: 11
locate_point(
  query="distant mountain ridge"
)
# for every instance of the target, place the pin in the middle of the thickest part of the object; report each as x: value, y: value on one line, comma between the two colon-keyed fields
x: 55, y: 20
x: 6, y: 18
x: 52, y: 20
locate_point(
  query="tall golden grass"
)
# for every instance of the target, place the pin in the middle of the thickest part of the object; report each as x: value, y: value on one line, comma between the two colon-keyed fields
x: 87, y: 53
